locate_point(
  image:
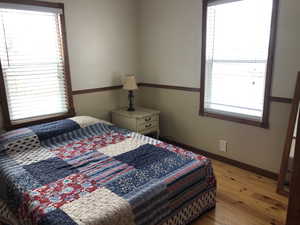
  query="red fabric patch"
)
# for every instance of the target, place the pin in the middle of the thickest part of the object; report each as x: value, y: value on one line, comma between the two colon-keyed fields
x: 40, y: 201
x: 180, y: 151
x: 78, y: 148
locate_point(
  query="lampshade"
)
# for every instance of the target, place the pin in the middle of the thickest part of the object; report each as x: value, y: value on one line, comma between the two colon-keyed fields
x: 130, y: 83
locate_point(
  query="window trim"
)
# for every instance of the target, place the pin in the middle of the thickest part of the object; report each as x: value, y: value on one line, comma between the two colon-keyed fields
x: 8, y: 125
x: 269, y: 73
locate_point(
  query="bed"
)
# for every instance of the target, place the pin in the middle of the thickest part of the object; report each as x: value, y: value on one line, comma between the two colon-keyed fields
x: 86, y: 171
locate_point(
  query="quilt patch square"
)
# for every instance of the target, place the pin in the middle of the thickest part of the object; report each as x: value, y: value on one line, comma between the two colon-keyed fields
x: 39, y: 202
x: 107, y: 139
x: 74, y: 149
x: 50, y: 170
x: 21, y: 183
x: 23, y: 144
x: 99, y: 167
x: 15, y: 180
x: 151, y: 158
x: 108, y: 209
x: 56, y: 217
x: 130, y: 182
x: 180, y: 151
x: 145, y: 139
x: 77, y: 135
x: 19, y: 140
x: 122, y: 147
x: 29, y: 156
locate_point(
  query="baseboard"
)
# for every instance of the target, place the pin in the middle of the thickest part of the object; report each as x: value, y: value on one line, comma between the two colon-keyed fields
x: 238, y: 164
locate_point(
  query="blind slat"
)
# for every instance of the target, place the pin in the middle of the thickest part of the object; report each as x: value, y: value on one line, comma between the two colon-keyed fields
x: 14, y: 93
x: 20, y: 101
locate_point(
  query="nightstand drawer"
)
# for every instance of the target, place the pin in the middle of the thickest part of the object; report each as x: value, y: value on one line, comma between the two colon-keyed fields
x: 147, y: 119
x: 147, y: 126
x: 142, y: 120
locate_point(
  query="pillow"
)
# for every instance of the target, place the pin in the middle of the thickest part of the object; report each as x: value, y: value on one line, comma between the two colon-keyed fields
x: 48, y: 130
x: 85, y: 121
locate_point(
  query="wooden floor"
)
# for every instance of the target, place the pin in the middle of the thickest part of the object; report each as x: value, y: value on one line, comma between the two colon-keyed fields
x: 244, y: 198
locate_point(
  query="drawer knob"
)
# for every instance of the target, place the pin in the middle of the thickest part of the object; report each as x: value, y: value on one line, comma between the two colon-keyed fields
x: 148, y: 119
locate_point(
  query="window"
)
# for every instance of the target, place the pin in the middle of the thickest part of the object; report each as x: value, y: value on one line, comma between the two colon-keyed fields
x: 237, y: 55
x: 34, y: 63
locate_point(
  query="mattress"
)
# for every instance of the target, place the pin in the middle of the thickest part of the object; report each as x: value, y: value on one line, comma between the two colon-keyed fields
x: 86, y: 171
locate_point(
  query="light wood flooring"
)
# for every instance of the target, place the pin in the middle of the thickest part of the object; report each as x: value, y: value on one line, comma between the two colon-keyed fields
x: 244, y: 198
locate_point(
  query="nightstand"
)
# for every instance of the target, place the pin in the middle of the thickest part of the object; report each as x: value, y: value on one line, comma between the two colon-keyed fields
x: 142, y: 120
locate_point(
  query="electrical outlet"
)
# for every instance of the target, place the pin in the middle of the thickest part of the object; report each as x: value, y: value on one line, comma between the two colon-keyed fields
x: 223, y: 146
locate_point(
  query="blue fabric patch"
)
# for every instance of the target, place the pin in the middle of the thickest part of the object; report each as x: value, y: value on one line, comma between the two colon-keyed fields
x: 151, y: 158
x: 128, y: 183
x: 120, y: 130
x: 77, y: 135
x: 50, y: 170
x: 18, y: 185
x: 21, y: 184
x: 150, y: 163
x: 49, y: 130
x: 56, y: 217
x: 26, y: 181
x: 16, y: 180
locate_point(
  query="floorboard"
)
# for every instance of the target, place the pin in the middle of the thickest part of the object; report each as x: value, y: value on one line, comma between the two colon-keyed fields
x: 244, y: 198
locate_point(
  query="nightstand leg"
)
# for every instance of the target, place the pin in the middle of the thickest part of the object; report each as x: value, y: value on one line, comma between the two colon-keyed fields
x: 157, y: 134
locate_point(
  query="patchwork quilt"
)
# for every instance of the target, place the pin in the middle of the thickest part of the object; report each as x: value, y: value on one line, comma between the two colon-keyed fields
x: 85, y: 171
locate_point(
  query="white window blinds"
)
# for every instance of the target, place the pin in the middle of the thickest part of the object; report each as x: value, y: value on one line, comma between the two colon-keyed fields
x: 32, y: 59
x: 237, y: 43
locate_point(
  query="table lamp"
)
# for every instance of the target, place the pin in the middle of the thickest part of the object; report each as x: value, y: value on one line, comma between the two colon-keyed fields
x: 130, y: 85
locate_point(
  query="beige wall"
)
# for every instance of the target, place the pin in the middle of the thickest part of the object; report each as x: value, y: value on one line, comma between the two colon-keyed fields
x: 170, y: 40
x: 102, y: 41
x: 102, y: 36
x: 100, y: 104
x: 170, y: 45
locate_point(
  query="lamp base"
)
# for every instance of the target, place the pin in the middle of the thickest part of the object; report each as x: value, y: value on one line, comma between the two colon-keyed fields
x: 130, y: 98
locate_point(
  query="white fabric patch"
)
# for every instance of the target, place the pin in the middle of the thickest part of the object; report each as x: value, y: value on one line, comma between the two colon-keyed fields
x: 144, y: 138
x: 100, y: 207
x: 85, y: 121
x: 127, y: 145
x: 30, y: 156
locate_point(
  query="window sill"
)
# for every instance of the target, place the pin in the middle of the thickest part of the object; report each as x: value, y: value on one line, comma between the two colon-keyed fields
x: 235, y: 119
x: 38, y: 120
